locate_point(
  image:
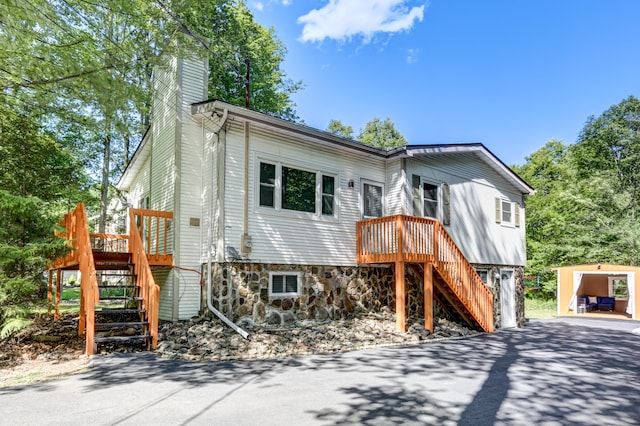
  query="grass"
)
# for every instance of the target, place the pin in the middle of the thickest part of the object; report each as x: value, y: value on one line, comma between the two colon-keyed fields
x: 538, y: 308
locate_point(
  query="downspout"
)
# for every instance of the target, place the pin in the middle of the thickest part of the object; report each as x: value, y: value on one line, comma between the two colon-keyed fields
x: 245, y: 225
x: 210, y: 249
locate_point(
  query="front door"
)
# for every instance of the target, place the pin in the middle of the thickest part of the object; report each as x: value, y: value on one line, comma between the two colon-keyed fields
x: 507, y: 298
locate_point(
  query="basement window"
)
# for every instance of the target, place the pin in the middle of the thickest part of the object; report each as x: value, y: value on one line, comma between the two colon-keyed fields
x: 484, y: 275
x: 284, y: 284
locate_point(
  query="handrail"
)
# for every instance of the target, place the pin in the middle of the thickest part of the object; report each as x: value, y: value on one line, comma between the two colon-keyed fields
x: 113, y: 243
x: 149, y: 290
x: 412, y: 239
x: 77, y: 235
x: 153, y: 227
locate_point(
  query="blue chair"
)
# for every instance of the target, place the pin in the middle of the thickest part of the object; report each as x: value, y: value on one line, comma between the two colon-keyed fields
x: 606, y: 303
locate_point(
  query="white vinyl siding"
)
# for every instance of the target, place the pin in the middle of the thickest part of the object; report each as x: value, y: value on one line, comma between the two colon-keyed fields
x: 473, y: 187
x: 395, y: 189
x: 189, y: 206
x: 162, y: 169
x: 172, y: 180
x: 291, y: 236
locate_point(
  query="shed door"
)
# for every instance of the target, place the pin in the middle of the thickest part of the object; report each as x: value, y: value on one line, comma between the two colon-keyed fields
x: 507, y: 298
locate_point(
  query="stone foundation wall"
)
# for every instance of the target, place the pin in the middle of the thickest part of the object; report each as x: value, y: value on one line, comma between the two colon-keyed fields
x: 241, y: 290
x: 494, y: 284
x: 327, y: 292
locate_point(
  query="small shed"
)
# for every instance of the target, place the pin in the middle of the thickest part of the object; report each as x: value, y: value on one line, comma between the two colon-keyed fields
x: 578, y: 282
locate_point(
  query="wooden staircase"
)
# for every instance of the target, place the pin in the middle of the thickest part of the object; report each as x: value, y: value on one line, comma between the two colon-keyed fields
x: 120, y: 317
x: 423, y: 246
x: 119, y: 298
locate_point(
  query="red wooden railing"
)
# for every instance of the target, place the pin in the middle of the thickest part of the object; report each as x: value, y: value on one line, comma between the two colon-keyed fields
x: 412, y: 239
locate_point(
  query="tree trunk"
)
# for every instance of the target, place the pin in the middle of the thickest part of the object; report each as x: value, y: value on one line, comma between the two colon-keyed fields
x: 104, y: 201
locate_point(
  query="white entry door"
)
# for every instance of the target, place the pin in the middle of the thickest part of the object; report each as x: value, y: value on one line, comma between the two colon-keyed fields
x: 507, y: 298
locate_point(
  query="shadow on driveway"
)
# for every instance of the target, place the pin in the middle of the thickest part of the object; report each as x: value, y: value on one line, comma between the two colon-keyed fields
x: 556, y: 371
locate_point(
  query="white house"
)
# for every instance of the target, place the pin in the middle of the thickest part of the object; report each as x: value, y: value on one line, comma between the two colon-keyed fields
x: 267, y: 209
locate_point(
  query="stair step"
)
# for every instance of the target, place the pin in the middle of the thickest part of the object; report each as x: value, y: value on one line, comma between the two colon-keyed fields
x: 120, y: 311
x: 126, y: 286
x: 116, y: 273
x: 120, y: 324
x: 121, y: 338
x: 137, y: 299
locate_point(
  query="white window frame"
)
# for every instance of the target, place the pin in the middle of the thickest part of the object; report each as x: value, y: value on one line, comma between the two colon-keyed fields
x: 364, y: 182
x: 285, y: 295
x: 511, y: 223
x: 424, y: 181
x: 611, y: 289
x: 277, y: 196
x: 485, y: 271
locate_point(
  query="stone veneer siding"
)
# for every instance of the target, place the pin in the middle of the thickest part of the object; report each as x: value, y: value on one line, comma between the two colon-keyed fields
x: 493, y: 272
x: 241, y: 290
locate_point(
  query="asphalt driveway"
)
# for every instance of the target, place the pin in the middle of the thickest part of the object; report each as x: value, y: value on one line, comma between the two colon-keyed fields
x: 554, y: 372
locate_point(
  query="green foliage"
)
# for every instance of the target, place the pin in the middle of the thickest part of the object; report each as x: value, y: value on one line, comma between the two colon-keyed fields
x: 337, y: 128
x: 89, y: 67
x: 381, y: 134
x: 26, y: 244
x: 539, y: 308
x: 585, y: 209
x: 236, y: 37
x: 13, y: 325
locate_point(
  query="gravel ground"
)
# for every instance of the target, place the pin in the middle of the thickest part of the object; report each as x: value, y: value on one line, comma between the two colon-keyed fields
x: 52, y: 349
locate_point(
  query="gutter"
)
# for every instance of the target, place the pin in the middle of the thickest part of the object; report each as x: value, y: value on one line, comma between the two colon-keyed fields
x: 218, y: 127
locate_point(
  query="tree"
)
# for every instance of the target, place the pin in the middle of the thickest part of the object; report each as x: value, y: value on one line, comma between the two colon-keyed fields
x: 38, y: 179
x: 91, y: 64
x: 585, y: 208
x: 381, y: 134
x: 337, y: 128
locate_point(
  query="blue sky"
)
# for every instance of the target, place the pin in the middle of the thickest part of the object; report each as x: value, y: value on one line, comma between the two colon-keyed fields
x: 511, y: 74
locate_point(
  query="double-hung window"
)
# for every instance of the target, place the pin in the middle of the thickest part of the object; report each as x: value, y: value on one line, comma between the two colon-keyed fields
x: 507, y: 212
x: 372, y: 199
x: 429, y: 200
x: 288, y: 188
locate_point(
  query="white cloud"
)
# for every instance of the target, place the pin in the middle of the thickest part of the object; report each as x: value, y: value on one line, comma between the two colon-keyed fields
x: 259, y: 6
x: 412, y: 55
x: 286, y: 2
x: 344, y: 19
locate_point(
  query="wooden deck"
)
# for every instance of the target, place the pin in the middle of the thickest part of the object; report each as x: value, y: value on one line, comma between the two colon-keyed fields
x: 402, y: 240
x: 146, y: 245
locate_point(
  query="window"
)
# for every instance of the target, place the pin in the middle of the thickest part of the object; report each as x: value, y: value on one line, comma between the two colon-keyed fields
x: 284, y: 284
x: 298, y: 190
x: 284, y: 187
x: 328, y: 195
x: 267, y: 184
x: 618, y: 288
x: 507, y: 213
x: 484, y: 275
x: 507, y: 216
x: 372, y: 195
x: 429, y: 200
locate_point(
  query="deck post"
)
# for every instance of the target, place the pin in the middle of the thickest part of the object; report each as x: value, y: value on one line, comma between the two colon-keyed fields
x: 428, y: 296
x: 83, y: 314
x: 56, y: 316
x: 50, y: 292
x: 401, y: 315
